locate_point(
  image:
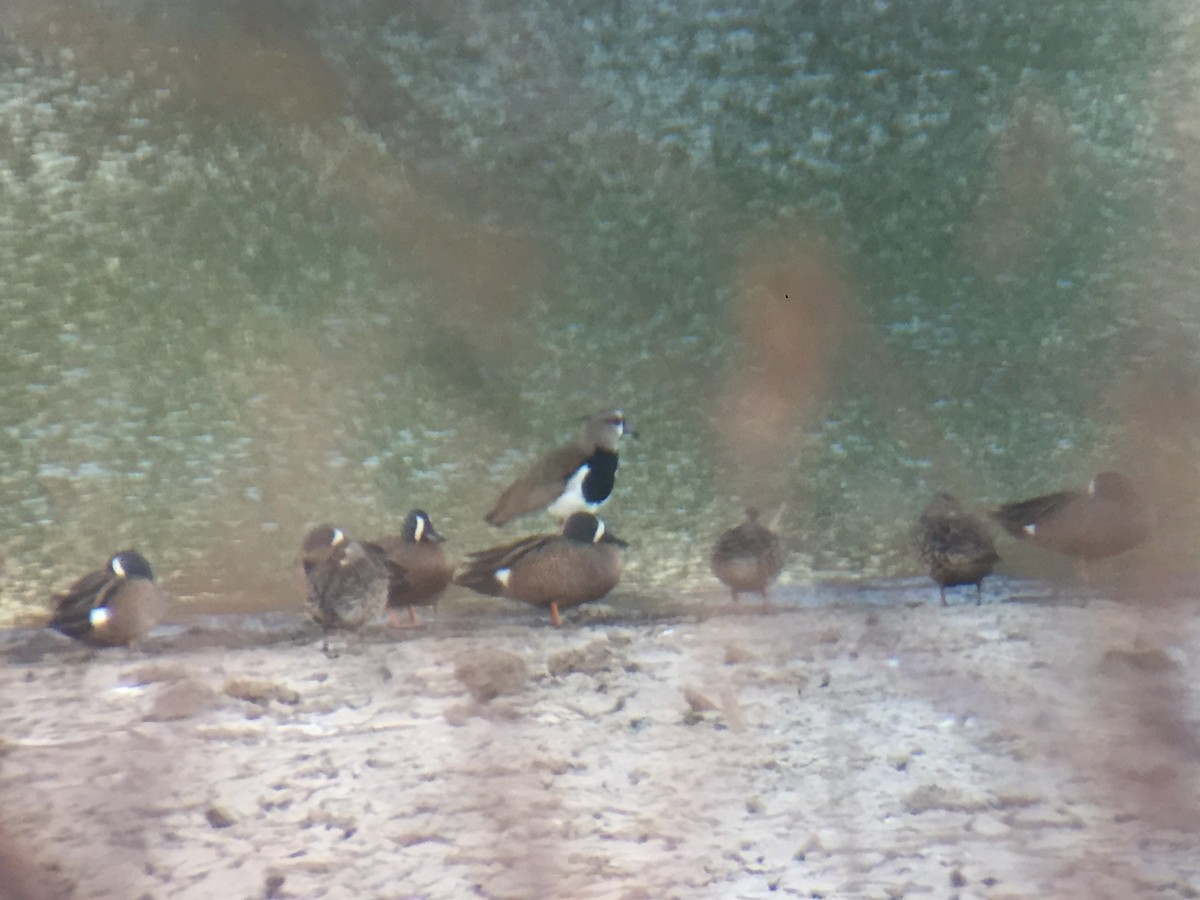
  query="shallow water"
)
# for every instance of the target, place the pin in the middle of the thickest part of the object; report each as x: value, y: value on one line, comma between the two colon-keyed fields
x: 267, y: 264
x: 193, y: 625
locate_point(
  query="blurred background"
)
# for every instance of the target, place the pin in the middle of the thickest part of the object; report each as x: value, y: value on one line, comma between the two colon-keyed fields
x: 265, y: 263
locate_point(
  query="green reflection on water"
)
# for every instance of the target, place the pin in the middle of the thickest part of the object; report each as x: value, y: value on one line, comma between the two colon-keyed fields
x: 223, y: 323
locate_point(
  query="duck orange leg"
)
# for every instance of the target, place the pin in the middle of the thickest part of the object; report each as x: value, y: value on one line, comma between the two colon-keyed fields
x: 554, y: 616
x: 396, y: 622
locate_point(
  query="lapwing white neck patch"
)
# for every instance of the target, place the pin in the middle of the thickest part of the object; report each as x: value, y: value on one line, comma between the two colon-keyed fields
x: 571, y: 500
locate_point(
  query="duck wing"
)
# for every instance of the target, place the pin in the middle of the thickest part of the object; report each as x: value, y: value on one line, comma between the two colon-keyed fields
x: 73, y: 609
x: 386, y: 550
x: 479, y: 573
x: 540, y: 486
x: 1016, y: 517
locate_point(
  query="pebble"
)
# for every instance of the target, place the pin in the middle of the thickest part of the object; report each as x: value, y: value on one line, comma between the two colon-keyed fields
x: 181, y: 700
x: 488, y: 673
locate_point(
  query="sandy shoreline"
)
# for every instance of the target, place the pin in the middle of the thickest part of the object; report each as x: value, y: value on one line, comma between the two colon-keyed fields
x: 1015, y: 749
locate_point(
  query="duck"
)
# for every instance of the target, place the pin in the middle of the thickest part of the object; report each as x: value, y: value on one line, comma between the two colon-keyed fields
x: 576, y: 477
x: 1106, y: 519
x: 419, y: 570
x: 556, y: 571
x: 954, y: 545
x: 111, y: 607
x: 347, y: 580
x: 748, y: 557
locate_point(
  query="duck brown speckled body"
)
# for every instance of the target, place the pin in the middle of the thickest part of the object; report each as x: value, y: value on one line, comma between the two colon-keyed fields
x: 419, y: 569
x: 557, y: 571
x: 954, y: 545
x: 748, y: 557
x: 347, y: 579
x: 577, y: 477
x: 111, y: 607
x: 1106, y: 519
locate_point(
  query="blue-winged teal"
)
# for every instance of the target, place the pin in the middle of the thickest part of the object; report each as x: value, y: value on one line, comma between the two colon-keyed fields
x: 748, y: 557
x: 558, y: 571
x: 347, y: 579
x: 577, y: 477
x: 111, y: 607
x: 418, y: 567
x: 954, y: 545
x: 1106, y: 519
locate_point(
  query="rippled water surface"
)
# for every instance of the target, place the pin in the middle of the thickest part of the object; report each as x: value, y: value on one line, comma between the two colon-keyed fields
x: 270, y: 263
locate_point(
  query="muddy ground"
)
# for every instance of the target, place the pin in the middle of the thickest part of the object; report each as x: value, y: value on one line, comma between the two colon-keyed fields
x: 847, y: 743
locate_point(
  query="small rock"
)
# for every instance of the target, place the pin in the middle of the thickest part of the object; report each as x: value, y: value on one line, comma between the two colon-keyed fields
x: 736, y: 653
x: 556, y: 766
x: 1140, y: 658
x: 458, y: 714
x: 989, y: 827
x: 500, y: 711
x: 1160, y: 775
x: 488, y: 673
x: 957, y: 878
x: 731, y: 709
x: 260, y: 691
x: 867, y: 861
x: 811, y: 847
x: 935, y: 796
x: 697, y: 701
x: 590, y: 659
x: 181, y: 700
x: 414, y: 838
x: 219, y: 817
x: 274, y: 885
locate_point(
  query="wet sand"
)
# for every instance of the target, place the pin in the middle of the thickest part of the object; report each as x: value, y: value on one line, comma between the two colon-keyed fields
x: 872, y: 745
